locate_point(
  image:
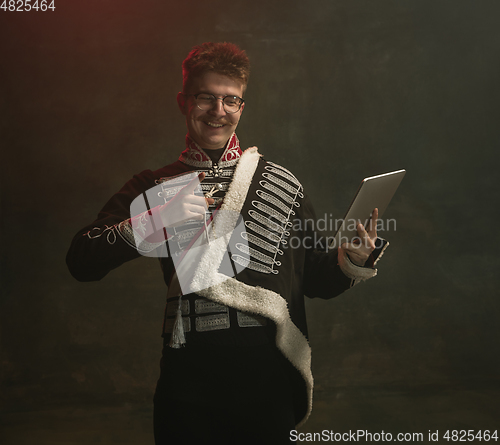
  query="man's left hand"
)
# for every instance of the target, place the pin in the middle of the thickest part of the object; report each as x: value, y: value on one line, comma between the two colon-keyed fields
x: 360, y: 249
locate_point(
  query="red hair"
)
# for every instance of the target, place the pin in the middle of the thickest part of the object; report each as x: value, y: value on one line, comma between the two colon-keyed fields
x: 223, y: 58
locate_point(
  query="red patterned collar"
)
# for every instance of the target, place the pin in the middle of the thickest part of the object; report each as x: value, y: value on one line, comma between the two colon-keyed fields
x: 195, y: 156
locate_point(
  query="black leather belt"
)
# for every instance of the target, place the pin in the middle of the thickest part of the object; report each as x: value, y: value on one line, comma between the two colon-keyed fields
x: 204, y: 315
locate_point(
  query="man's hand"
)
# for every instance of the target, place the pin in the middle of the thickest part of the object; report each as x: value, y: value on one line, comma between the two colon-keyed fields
x: 185, y: 205
x: 360, y: 248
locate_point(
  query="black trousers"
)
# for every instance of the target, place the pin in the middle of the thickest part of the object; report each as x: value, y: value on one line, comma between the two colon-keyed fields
x: 224, y: 395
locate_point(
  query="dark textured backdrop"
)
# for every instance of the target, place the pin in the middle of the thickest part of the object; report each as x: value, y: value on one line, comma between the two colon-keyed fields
x: 339, y: 90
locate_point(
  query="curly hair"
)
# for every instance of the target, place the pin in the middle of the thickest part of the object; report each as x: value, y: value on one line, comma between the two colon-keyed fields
x: 222, y: 58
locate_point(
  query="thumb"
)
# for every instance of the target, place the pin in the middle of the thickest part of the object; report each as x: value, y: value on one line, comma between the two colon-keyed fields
x: 191, y: 186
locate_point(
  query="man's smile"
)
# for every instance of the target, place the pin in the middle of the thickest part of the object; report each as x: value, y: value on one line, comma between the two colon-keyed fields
x: 214, y: 124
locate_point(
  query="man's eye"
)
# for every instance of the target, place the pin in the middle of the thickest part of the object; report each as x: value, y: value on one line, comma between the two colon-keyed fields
x: 231, y: 101
x: 205, y: 97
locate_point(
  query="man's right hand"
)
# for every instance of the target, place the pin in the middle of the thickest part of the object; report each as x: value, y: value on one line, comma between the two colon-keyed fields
x: 185, y: 205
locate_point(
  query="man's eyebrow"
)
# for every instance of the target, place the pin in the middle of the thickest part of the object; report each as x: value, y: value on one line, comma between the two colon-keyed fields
x: 204, y: 92
x: 213, y: 94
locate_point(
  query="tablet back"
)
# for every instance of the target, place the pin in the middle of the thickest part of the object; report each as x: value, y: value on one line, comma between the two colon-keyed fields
x: 374, y: 192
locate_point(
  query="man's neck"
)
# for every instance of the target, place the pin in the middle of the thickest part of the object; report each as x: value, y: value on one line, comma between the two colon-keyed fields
x: 215, y: 155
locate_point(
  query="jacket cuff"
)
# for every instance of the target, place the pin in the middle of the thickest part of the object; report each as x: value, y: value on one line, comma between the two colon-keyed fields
x: 139, y: 232
x: 361, y: 273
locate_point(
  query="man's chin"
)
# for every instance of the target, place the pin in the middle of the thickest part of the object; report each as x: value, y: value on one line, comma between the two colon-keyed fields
x: 212, y: 143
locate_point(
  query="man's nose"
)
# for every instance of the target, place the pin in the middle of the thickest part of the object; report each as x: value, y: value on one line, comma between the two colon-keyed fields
x: 218, y: 107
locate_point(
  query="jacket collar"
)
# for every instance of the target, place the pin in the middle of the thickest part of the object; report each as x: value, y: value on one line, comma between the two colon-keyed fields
x: 195, y: 156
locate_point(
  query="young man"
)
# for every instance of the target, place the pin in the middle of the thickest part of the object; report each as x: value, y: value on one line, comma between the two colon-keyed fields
x: 238, y: 259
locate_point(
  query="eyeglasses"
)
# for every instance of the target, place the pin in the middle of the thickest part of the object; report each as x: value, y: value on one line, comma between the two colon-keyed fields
x: 205, y: 102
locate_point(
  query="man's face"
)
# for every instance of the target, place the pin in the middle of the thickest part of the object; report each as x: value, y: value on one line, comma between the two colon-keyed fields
x: 212, y: 128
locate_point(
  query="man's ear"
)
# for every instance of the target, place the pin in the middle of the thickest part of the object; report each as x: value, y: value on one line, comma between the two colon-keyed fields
x: 242, y: 106
x: 181, y: 102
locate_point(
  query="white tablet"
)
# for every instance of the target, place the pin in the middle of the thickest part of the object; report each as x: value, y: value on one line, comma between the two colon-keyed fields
x: 374, y: 192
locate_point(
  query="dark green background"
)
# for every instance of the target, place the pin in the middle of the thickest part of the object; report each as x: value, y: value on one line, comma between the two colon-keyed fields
x: 339, y: 90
